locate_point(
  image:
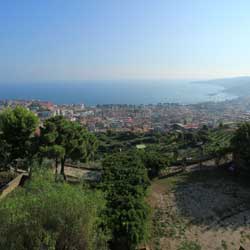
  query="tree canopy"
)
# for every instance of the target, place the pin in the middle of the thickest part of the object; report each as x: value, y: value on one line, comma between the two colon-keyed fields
x: 17, y: 126
x: 62, y: 140
x: 154, y: 162
x: 241, y: 145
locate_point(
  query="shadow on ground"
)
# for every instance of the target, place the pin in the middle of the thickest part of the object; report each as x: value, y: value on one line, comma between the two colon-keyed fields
x: 213, y: 198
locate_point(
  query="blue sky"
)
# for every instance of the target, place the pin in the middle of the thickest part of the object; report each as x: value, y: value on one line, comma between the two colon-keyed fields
x: 117, y: 39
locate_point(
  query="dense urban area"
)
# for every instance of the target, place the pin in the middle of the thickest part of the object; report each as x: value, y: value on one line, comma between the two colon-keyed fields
x: 141, y: 118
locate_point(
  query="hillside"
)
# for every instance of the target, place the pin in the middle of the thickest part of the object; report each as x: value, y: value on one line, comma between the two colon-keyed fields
x: 239, y: 86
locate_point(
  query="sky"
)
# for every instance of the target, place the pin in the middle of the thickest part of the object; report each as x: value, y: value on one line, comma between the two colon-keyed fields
x: 117, y: 39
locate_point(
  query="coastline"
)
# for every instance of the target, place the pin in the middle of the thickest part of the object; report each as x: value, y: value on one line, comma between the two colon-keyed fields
x: 222, y: 94
x: 116, y: 92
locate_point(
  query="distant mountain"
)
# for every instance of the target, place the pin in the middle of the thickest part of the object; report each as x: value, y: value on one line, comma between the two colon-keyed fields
x: 239, y: 86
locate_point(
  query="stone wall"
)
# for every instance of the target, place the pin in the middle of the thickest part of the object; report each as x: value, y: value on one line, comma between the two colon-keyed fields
x: 12, y: 185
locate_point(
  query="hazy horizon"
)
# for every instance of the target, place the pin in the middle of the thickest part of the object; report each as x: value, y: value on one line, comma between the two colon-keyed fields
x: 142, y: 80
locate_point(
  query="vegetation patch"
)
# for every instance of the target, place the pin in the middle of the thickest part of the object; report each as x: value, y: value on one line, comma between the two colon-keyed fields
x: 189, y: 245
x: 52, y: 215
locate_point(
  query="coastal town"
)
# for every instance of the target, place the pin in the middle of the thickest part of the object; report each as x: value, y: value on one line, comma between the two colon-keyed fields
x: 161, y: 117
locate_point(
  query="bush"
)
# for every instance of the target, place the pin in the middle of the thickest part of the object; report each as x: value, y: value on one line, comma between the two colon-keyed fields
x: 125, y: 182
x: 154, y: 162
x: 53, y: 216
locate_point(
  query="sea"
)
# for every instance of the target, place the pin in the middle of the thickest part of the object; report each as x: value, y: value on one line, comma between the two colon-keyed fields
x: 115, y: 92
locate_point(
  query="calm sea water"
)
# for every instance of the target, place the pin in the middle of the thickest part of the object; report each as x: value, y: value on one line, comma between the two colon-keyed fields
x: 115, y: 92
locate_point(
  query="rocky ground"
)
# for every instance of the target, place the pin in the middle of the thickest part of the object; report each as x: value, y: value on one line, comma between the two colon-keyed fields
x: 206, y: 209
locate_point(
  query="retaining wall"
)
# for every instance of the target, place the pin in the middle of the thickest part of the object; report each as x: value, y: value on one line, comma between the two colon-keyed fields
x: 12, y: 185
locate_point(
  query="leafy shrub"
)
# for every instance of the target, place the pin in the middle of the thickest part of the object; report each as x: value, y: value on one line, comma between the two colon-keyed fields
x: 125, y: 182
x: 53, y: 216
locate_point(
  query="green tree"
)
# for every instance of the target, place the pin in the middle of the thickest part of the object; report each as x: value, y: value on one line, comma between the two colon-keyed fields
x: 203, y: 136
x: 240, y: 144
x: 4, y: 155
x: 17, y: 127
x: 154, y: 162
x: 190, y: 138
x: 54, y: 152
x: 221, y: 125
x: 62, y: 140
x: 92, y: 145
x: 125, y: 182
x: 175, y: 154
x: 219, y: 152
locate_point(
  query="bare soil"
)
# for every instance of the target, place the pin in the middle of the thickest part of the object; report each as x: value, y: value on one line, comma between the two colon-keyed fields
x: 206, y: 209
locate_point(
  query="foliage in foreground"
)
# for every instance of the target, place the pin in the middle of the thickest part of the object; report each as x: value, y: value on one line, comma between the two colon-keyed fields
x: 53, y: 216
x: 125, y: 182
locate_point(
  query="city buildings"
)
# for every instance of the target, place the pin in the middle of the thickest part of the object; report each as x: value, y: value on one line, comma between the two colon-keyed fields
x: 162, y: 117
